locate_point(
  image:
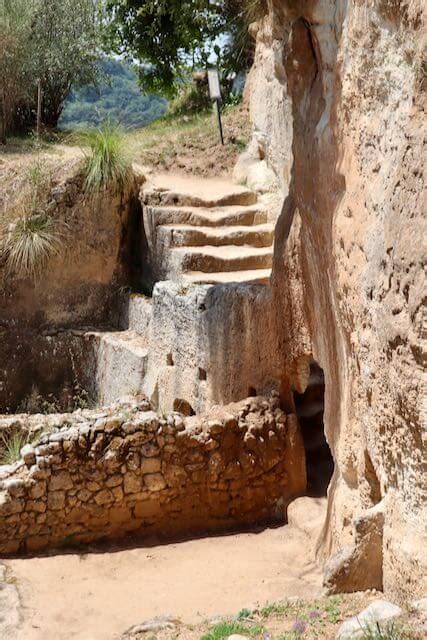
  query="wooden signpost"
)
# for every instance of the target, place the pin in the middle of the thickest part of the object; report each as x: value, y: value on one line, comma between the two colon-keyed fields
x: 215, y: 95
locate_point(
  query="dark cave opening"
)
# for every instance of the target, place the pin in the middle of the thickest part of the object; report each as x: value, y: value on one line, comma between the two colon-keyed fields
x: 309, y: 408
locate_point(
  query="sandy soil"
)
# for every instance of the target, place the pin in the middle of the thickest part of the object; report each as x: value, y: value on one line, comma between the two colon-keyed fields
x: 97, y: 596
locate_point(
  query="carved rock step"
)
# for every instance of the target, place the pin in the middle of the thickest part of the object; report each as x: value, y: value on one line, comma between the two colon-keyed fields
x: 210, y: 192
x: 228, y: 258
x: 308, y: 515
x: 260, y: 235
x: 253, y: 276
x: 205, y: 217
x: 137, y: 315
x: 122, y: 364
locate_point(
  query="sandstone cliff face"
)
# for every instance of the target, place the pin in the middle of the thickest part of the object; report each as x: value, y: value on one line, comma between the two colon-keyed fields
x: 336, y: 98
x: 81, y: 286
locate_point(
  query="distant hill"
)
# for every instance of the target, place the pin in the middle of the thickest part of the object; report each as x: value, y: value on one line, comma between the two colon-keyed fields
x: 118, y: 98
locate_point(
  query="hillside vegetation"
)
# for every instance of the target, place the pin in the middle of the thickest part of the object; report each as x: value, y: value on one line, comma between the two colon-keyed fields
x: 117, y: 97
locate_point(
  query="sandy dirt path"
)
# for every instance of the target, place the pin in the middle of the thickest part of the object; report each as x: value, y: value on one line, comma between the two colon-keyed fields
x: 97, y: 596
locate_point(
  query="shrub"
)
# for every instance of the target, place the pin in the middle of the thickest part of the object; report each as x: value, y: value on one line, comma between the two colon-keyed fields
x: 107, y: 164
x: 192, y: 98
x: 11, y: 445
x: 29, y: 243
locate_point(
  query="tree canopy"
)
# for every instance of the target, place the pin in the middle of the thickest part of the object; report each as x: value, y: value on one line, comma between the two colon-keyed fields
x: 58, y: 43
x: 65, y: 40
x: 173, y: 37
x: 16, y: 70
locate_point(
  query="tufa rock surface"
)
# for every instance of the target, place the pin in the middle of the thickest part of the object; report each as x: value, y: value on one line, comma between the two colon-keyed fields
x: 336, y: 98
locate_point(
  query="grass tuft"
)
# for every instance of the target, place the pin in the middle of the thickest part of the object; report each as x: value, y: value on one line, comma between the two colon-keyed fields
x: 11, y: 445
x: 388, y: 631
x: 29, y: 243
x: 28, y: 235
x: 222, y: 630
x: 108, y: 163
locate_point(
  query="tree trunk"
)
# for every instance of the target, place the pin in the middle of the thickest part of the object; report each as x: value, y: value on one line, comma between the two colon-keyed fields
x: 39, y: 108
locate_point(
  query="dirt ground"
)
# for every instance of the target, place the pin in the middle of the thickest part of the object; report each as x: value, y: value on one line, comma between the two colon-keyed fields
x: 98, y: 595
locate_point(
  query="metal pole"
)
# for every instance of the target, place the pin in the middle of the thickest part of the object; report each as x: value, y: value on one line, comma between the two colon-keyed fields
x: 218, y: 113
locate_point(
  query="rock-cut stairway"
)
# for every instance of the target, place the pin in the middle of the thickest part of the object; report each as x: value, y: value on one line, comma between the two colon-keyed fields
x: 199, y: 231
x: 206, y: 231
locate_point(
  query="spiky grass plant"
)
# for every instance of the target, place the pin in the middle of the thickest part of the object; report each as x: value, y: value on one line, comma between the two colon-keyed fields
x: 11, y: 445
x: 107, y: 164
x: 29, y: 243
x: 28, y: 235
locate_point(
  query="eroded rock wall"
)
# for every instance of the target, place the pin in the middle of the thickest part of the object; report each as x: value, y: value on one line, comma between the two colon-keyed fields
x: 347, y: 276
x: 210, y: 345
x: 131, y: 471
x: 78, y: 286
x: 83, y: 285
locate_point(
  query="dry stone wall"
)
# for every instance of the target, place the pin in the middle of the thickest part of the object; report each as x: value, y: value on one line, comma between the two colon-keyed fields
x: 132, y: 471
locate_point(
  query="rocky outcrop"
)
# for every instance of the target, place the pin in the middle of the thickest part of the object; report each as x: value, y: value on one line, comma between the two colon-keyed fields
x: 132, y: 471
x: 78, y: 286
x: 336, y: 102
x: 82, y: 285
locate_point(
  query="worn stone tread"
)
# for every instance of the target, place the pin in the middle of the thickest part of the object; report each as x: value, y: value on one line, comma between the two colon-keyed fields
x: 259, y: 235
x: 209, y: 192
x: 128, y: 339
x: 227, y: 258
x: 208, y: 217
x: 253, y: 276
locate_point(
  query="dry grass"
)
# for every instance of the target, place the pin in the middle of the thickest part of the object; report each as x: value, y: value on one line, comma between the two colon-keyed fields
x: 29, y: 244
x: 28, y: 234
x: 191, y: 145
x: 11, y: 445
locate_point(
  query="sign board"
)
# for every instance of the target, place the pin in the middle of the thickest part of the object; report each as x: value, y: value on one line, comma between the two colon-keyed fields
x: 214, y: 85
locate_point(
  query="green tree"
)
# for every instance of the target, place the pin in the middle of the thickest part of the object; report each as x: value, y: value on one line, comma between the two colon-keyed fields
x: 173, y: 37
x: 65, y: 39
x: 15, y: 58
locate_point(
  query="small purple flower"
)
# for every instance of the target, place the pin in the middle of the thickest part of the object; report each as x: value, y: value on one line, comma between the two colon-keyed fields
x: 299, y: 627
x: 266, y: 636
x: 314, y: 614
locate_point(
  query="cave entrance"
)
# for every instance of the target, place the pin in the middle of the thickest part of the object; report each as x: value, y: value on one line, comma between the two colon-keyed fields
x: 309, y: 408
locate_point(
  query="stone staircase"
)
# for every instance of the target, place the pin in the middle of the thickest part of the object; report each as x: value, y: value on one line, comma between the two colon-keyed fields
x: 206, y: 231
x: 199, y: 232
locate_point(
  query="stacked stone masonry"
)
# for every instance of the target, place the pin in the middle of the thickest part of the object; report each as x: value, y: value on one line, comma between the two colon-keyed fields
x: 132, y: 471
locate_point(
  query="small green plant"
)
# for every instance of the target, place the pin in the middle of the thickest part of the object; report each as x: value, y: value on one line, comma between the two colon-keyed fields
x: 332, y: 609
x: 244, y: 614
x: 388, y: 631
x: 107, y: 163
x: 29, y: 243
x: 275, y: 609
x: 222, y: 630
x: 11, y: 445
